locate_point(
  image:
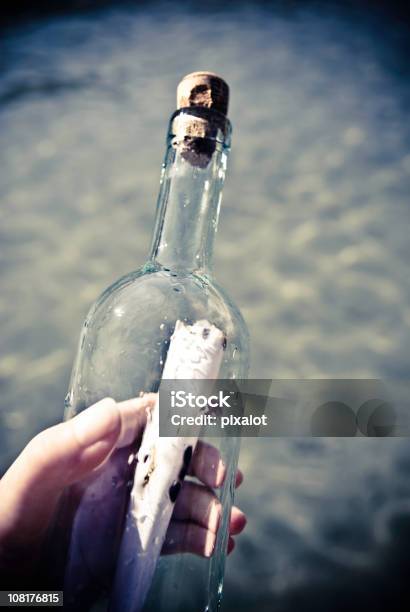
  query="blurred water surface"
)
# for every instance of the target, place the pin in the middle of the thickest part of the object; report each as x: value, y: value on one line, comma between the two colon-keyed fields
x: 313, y: 245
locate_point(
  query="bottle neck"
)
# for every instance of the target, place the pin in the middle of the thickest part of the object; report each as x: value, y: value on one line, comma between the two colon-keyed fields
x: 190, y: 194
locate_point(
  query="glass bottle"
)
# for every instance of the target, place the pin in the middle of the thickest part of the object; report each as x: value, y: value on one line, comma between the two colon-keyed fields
x: 123, y: 348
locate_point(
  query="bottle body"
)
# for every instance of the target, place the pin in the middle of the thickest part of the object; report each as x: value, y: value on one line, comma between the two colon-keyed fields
x: 122, y: 351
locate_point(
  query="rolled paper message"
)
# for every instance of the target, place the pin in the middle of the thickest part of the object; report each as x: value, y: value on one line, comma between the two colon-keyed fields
x: 195, y: 353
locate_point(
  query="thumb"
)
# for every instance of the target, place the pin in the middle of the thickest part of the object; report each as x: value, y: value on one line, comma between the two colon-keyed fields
x: 59, y: 456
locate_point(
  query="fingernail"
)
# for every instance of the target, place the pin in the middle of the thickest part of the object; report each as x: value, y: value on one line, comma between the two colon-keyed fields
x: 242, y: 519
x: 96, y: 422
x: 238, y: 521
x: 133, y: 414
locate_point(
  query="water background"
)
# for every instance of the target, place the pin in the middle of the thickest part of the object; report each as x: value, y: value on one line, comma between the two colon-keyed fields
x: 313, y: 245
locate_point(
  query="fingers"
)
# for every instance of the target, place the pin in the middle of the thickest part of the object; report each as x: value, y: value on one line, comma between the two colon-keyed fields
x: 195, y: 522
x: 207, y: 465
x: 60, y: 456
x: 237, y: 524
x: 237, y: 521
x: 68, y: 451
x: 199, y: 505
x: 188, y: 537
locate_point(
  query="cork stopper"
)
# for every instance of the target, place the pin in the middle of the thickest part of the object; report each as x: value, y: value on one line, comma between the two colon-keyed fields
x: 195, y: 129
x: 203, y: 89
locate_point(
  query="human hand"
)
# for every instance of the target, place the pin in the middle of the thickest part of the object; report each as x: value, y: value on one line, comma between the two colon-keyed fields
x: 69, y: 452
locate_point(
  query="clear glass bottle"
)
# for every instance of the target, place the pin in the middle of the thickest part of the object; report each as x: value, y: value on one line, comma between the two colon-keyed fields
x: 122, y: 350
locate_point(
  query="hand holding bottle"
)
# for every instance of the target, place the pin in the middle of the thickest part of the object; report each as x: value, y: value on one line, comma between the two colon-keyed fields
x: 69, y: 452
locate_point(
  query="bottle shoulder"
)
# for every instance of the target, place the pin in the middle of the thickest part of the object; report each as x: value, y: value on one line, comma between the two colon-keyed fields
x: 229, y: 302
x: 152, y: 290
x: 127, y: 331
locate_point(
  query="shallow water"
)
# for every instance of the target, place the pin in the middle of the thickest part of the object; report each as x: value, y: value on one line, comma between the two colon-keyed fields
x: 313, y: 246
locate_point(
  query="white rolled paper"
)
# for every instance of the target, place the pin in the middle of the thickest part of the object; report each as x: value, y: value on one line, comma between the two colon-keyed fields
x: 195, y: 353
